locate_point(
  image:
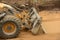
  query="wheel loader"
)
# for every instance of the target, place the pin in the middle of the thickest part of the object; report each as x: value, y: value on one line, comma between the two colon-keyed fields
x: 13, y: 18
x: 13, y: 21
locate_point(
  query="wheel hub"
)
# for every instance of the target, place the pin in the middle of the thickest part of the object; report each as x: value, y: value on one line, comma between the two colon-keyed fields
x: 9, y: 28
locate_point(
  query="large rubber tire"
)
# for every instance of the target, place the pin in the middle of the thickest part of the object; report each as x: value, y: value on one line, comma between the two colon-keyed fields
x: 13, y: 19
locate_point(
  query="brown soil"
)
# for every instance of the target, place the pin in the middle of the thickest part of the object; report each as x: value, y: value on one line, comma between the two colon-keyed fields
x: 51, y: 20
x: 29, y: 36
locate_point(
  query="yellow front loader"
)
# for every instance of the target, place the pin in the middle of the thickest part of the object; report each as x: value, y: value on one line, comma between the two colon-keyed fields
x: 13, y: 20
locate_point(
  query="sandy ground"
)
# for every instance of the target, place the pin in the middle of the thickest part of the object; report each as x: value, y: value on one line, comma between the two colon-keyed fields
x: 51, y: 20
x: 29, y: 36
